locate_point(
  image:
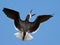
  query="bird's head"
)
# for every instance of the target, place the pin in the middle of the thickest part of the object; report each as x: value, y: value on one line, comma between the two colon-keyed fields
x: 30, y: 14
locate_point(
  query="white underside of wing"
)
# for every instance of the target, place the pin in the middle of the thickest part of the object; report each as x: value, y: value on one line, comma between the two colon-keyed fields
x: 35, y: 31
x: 16, y: 28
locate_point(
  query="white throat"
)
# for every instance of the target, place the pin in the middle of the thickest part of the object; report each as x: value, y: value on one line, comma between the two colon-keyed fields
x: 30, y: 15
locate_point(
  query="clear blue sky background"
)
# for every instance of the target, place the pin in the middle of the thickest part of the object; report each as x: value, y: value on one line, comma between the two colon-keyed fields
x: 48, y: 32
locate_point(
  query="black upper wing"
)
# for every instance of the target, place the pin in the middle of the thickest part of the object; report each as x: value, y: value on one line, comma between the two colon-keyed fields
x: 39, y: 20
x: 11, y: 13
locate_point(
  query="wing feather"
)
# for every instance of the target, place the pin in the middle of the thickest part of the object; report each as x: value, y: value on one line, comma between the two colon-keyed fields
x: 39, y: 20
x: 11, y: 13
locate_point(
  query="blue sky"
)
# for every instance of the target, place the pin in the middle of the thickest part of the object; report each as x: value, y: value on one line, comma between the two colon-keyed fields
x: 48, y: 32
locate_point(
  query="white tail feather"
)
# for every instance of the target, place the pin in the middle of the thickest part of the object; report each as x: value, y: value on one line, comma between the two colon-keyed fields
x: 20, y: 35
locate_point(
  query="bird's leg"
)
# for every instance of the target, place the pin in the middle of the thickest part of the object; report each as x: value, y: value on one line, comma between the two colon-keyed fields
x: 24, y: 34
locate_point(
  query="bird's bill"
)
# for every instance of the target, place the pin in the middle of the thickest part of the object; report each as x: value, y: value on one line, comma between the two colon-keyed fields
x: 31, y: 15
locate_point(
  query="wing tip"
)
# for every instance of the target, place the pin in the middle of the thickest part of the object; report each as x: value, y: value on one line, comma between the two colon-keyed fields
x: 4, y: 9
x: 50, y: 16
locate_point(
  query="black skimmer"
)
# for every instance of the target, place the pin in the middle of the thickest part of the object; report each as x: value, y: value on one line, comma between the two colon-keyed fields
x: 25, y: 27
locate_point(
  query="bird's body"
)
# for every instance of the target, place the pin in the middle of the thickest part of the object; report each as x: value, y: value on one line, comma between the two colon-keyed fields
x: 25, y: 27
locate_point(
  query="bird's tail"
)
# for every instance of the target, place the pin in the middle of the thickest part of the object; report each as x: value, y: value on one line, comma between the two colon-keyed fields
x: 20, y: 35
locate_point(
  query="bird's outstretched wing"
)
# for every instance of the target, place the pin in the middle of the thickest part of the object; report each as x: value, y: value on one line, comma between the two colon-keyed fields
x: 11, y: 13
x: 39, y: 20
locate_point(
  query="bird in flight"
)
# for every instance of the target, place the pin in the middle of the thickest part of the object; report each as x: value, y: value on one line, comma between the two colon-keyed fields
x: 25, y: 27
